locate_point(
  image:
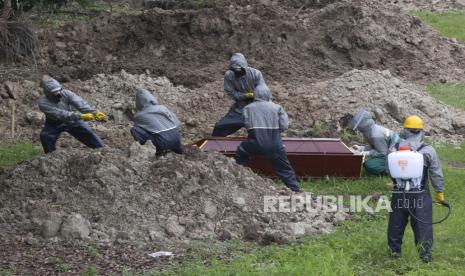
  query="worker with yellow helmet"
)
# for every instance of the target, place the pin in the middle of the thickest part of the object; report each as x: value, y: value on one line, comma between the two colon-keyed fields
x: 419, y: 205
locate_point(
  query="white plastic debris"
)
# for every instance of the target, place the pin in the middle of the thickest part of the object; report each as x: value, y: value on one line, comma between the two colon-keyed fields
x: 161, y: 254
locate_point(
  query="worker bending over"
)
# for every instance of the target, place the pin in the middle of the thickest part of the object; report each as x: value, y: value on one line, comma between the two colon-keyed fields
x: 56, y: 105
x: 155, y: 122
x: 265, y: 121
x: 380, y: 142
x: 239, y: 83
x: 417, y: 195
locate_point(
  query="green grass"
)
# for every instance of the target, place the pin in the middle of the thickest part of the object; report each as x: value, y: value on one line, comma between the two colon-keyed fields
x: 60, y: 265
x: 89, y: 271
x: 90, y: 9
x: 12, y: 154
x: 451, y: 94
x: 450, y: 23
x: 359, y: 246
x: 454, y: 154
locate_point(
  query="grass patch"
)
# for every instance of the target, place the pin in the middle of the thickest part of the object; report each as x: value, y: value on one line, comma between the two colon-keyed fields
x: 449, y: 23
x: 89, y: 271
x: 73, y: 12
x: 359, y: 246
x: 12, y: 154
x: 60, y: 265
x: 452, y: 155
x: 6, y: 272
x: 451, y: 94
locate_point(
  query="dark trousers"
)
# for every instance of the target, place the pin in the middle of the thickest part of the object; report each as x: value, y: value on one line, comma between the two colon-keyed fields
x: 230, y: 123
x: 421, y: 206
x: 79, y: 130
x: 163, y: 141
x: 277, y: 157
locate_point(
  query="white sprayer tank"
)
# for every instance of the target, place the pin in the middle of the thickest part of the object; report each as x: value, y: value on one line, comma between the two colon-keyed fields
x: 405, y: 164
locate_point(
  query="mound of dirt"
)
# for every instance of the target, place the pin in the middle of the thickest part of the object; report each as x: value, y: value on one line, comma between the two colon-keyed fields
x: 386, y: 96
x: 309, y: 106
x: 432, y: 5
x: 113, y: 195
x: 192, y: 47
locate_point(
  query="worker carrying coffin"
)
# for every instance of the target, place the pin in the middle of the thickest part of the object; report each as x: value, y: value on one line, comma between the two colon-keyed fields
x: 411, y: 168
x: 239, y: 83
x: 380, y: 142
x: 265, y: 121
x: 56, y: 105
x: 155, y: 122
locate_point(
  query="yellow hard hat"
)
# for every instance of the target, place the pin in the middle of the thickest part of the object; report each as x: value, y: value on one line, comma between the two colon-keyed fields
x: 414, y: 122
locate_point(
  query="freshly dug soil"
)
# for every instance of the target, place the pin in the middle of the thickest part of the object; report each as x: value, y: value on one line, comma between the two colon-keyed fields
x: 130, y: 195
x: 315, y: 110
x: 192, y: 47
x: 432, y: 5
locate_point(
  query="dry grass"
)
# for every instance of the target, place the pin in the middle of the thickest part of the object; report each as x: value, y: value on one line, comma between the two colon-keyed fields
x: 17, y: 39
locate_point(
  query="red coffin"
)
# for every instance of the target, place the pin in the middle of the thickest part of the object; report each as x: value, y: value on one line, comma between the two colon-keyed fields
x: 310, y: 157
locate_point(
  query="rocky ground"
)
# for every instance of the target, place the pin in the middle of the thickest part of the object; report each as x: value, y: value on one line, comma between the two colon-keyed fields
x: 133, y: 198
x: 320, y: 104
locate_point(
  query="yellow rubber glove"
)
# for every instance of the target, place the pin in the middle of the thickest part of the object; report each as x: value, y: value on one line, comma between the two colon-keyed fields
x: 100, y: 116
x: 249, y: 95
x: 439, y: 197
x: 87, y: 116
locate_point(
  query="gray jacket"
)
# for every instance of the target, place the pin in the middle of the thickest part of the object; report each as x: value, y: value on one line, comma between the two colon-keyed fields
x: 61, y: 110
x: 235, y: 87
x: 432, y: 162
x: 264, y: 114
x: 151, y: 116
x: 380, y: 140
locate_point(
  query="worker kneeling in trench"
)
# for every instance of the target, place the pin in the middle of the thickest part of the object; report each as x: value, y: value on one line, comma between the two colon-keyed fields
x: 265, y: 121
x: 380, y: 140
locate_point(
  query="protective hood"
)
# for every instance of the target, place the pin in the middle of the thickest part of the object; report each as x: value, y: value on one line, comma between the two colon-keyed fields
x: 144, y: 98
x: 262, y: 93
x: 238, y: 61
x: 413, y: 139
x: 50, y: 86
x: 362, y: 121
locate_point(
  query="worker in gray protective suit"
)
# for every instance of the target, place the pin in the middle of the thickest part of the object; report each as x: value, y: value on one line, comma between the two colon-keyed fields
x: 239, y: 83
x: 416, y: 199
x: 157, y: 123
x: 56, y: 105
x: 265, y: 121
x: 380, y: 142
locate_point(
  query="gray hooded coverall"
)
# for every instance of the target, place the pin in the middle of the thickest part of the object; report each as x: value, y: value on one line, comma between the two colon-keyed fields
x: 380, y: 141
x: 417, y: 199
x: 265, y: 121
x: 56, y: 105
x: 236, y: 86
x: 157, y: 123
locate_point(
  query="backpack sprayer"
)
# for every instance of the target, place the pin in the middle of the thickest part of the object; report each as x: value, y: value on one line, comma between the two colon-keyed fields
x: 406, y: 166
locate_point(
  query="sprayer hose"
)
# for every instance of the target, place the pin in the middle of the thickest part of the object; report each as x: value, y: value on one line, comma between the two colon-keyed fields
x: 445, y: 204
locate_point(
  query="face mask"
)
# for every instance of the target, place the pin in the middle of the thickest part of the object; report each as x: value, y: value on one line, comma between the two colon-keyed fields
x: 240, y: 72
x: 56, y: 97
x: 407, y: 133
x: 404, y: 134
